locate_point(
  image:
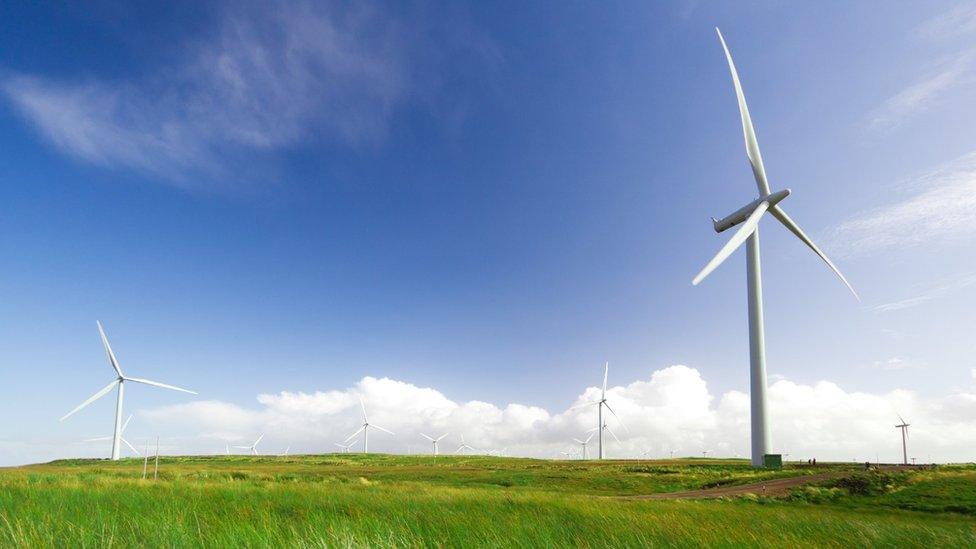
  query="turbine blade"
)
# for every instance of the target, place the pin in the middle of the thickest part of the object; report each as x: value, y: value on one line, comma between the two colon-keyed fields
x: 616, y: 416
x: 381, y: 429
x: 590, y: 437
x: 97, y: 439
x: 132, y: 447
x: 442, y: 436
x: 425, y: 436
x: 580, y: 441
x: 108, y: 350
x: 91, y: 399
x: 779, y: 214
x: 901, y: 419
x: 257, y: 441
x: 126, y: 424
x: 613, y: 435
x: 584, y: 405
x: 363, y: 406
x: 606, y: 370
x: 748, y: 132
x: 740, y: 236
x: 355, y: 434
x: 158, y: 384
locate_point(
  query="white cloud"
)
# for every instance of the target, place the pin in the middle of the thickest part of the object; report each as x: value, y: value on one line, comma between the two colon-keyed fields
x: 673, y: 409
x: 941, y: 211
x: 929, y: 294
x: 268, y: 78
x: 920, y: 96
x: 958, y: 21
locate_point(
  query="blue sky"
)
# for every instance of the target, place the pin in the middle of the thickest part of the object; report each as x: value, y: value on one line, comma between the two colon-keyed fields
x: 487, y: 200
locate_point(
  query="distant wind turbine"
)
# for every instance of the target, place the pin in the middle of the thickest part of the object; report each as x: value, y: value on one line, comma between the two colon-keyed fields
x: 346, y: 447
x: 607, y: 429
x: 600, y: 404
x: 464, y: 446
x: 365, y: 429
x: 121, y: 437
x: 285, y: 454
x: 904, y: 439
x: 254, y: 447
x: 583, y: 444
x: 748, y: 216
x: 434, y: 441
x: 120, y: 383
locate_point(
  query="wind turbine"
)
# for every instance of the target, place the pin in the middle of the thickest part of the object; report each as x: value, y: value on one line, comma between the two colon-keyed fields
x: 904, y: 438
x: 120, y: 382
x: 748, y: 216
x: 434, y: 441
x: 464, y: 446
x: 607, y: 429
x: 126, y: 442
x: 600, y: 404
x: 365, y: 429
x: 583, y: 444
x: 288, y: 449
x: 345, y: 447
x: 254, y: 447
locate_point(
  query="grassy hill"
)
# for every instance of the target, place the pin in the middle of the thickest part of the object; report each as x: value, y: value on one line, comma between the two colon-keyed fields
x: 383, y: 500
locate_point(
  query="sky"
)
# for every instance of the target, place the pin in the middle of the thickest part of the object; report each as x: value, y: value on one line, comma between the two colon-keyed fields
x: 459, y: 212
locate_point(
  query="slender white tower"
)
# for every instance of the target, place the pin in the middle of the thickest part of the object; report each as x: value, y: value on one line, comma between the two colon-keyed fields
x: 748, y: 217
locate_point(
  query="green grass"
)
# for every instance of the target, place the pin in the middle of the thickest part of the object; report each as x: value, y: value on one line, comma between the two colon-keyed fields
x: 379, y: 500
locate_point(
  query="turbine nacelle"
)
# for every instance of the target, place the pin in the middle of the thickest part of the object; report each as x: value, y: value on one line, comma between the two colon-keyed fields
x: 743, y: 213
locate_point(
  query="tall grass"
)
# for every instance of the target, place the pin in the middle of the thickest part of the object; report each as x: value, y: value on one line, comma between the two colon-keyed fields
x: 306, y: 503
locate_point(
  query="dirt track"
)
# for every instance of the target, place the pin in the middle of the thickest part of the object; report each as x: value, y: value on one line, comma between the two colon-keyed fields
x: 775, y: 487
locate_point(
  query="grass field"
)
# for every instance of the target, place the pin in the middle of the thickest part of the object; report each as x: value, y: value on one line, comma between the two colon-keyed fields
x: 382, y: 500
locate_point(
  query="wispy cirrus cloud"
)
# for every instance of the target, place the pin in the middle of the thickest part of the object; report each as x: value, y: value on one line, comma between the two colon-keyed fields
x: 922, y: 95
x: 928, y: 294
x: 958, y: 21
x: 940, y: 211
x: 269, y: 78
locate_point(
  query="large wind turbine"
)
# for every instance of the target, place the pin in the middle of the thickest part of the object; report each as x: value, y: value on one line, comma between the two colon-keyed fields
x: 434, y: 441
x: 120, y: 382
x: 748, y: 216
x: 365, y: 429
x: 121, y: 437
x: 904, y: 439
x: 600, y: 405
x: 254, y: 447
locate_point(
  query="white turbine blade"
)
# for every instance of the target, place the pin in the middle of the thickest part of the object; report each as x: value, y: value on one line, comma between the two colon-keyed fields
x: 612, y: 434
x: 580, y: 441
x: 242, y: 447
x: 779, y: 214
x: 427, y: 437
x: 355, y: 434
x: 132, y: 447
x: 616, y: 416
x: 606, y: 370
x: 589, y: 437
x: 737, y: 239
x: 591, y: 430
x: 363, y: 406
x: 126, y: 424
x: 158, y: 384
x: 584, y: 405
x: 441, y: 437
x: 381, y: 429
x: 748, y: 132
x: 255, y: 445
x: 108, y: 350
x: 97, y: 439
x: 93, y: 398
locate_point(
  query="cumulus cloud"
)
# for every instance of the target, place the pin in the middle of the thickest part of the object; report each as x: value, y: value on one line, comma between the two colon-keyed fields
x: 671, y: 410
x: 940, y: 211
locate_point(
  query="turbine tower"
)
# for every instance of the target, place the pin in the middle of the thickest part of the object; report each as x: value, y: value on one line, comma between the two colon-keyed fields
x: 120, y: 382
x: 365, y: 429
x: 600, y: 404
x: 434, y: 441
x: 748, y: 216
x: 904, y: 438
x: 121, y: 437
